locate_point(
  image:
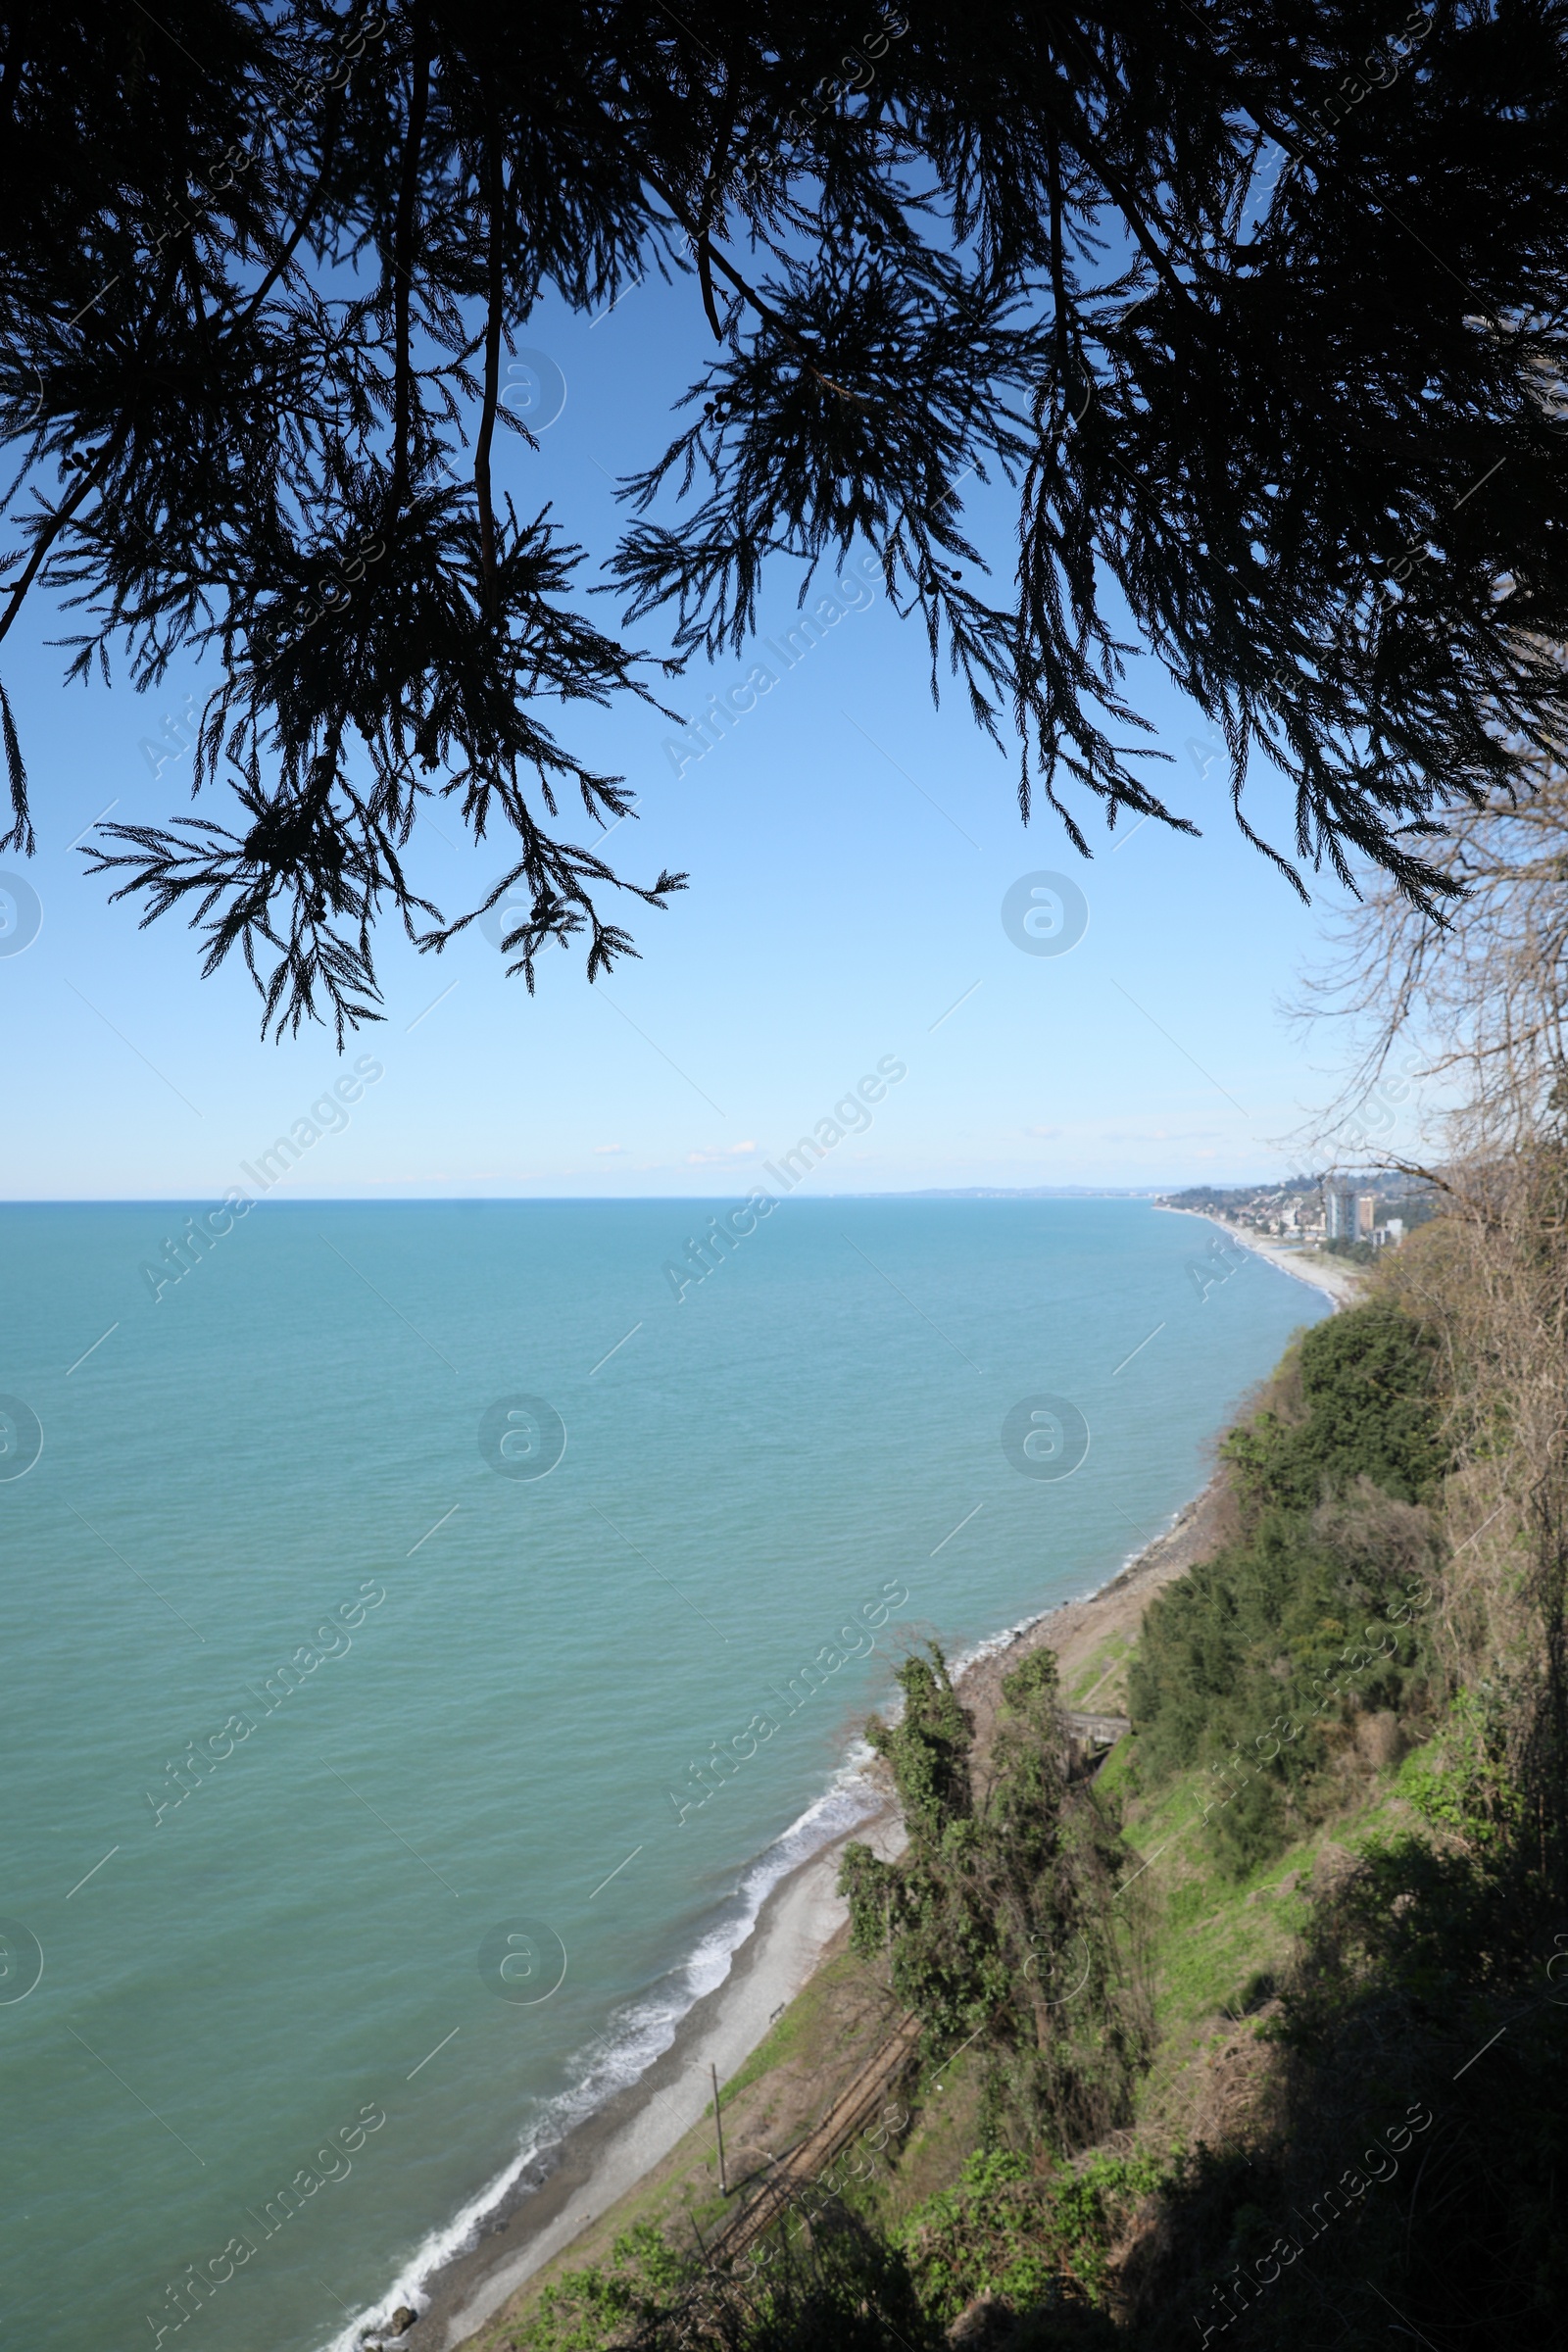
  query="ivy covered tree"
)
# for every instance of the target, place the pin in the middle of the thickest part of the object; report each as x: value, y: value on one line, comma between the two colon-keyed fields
x: 1001, y: 1920
x: 1257, y: 309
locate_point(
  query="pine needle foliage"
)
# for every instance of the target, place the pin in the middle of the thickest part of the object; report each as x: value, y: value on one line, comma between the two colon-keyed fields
x: 1256, y: 312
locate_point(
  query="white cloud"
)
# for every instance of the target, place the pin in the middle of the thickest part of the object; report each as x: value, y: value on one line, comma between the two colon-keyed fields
x: 719, y: 1153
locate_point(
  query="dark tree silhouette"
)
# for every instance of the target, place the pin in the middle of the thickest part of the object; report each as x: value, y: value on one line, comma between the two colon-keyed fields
x: 1257, y: 309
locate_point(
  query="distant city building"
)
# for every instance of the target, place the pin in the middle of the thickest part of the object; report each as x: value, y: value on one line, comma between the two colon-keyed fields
x: 1315, y: 1210
x: 1340, y: 1216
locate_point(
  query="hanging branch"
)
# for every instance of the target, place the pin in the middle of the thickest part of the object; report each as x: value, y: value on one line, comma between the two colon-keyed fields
x: 715, y: 181
x: 495, y: 294
x: 403, y: 258
x: 1366, y: 593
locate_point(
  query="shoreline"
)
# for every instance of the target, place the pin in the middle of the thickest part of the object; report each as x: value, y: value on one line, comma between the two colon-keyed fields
x: 573, y: 2164
x: 572, y: 2181
x: 1339, y: 1281
x: 608, y: 2153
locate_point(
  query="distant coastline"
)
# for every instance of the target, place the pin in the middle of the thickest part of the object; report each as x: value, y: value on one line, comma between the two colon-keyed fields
x: 1024, y: 1192
x: 1341, y: 1282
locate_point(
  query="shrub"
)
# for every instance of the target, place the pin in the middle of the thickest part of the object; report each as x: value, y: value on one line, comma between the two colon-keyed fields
x: 1034, y: 2239
x: 1367, y: 1389
x: 1255, y: 1662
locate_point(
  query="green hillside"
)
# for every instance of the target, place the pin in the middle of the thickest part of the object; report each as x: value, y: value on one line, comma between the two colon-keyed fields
x: 1250, y: 2032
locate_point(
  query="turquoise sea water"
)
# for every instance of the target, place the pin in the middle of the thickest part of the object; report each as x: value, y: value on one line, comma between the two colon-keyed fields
x: 440, y: 1704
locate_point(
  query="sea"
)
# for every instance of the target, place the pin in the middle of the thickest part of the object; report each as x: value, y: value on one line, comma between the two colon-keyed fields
x: 430, y: 1630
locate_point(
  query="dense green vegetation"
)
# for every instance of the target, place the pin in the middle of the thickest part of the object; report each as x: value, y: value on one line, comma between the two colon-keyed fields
x: 1265, y: 1664
x: 1363, y: 1896
x: 1037, y: 2240
x: 1367, y: 1410
x: 837, y: 2286
x: 998, y: 1921
x: 1035, y: 2237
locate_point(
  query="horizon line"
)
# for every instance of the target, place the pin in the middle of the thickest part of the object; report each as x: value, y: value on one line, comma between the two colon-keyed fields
x: 380, y: 1199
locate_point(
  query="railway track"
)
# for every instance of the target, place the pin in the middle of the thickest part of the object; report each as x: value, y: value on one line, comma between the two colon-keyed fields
x: 849, y: 2114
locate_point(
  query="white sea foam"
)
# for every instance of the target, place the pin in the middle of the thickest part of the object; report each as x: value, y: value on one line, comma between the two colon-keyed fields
x: 641, y: 2031
x: 637, y: 2034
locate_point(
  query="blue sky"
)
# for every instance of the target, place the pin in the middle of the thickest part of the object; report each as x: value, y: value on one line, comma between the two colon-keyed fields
x: 849, y: 849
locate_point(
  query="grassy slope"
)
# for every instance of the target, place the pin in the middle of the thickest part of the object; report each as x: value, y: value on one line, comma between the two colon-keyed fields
x: 1219, y: 1941
x: 1100, y: 1684
x: 1216, y: 1943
